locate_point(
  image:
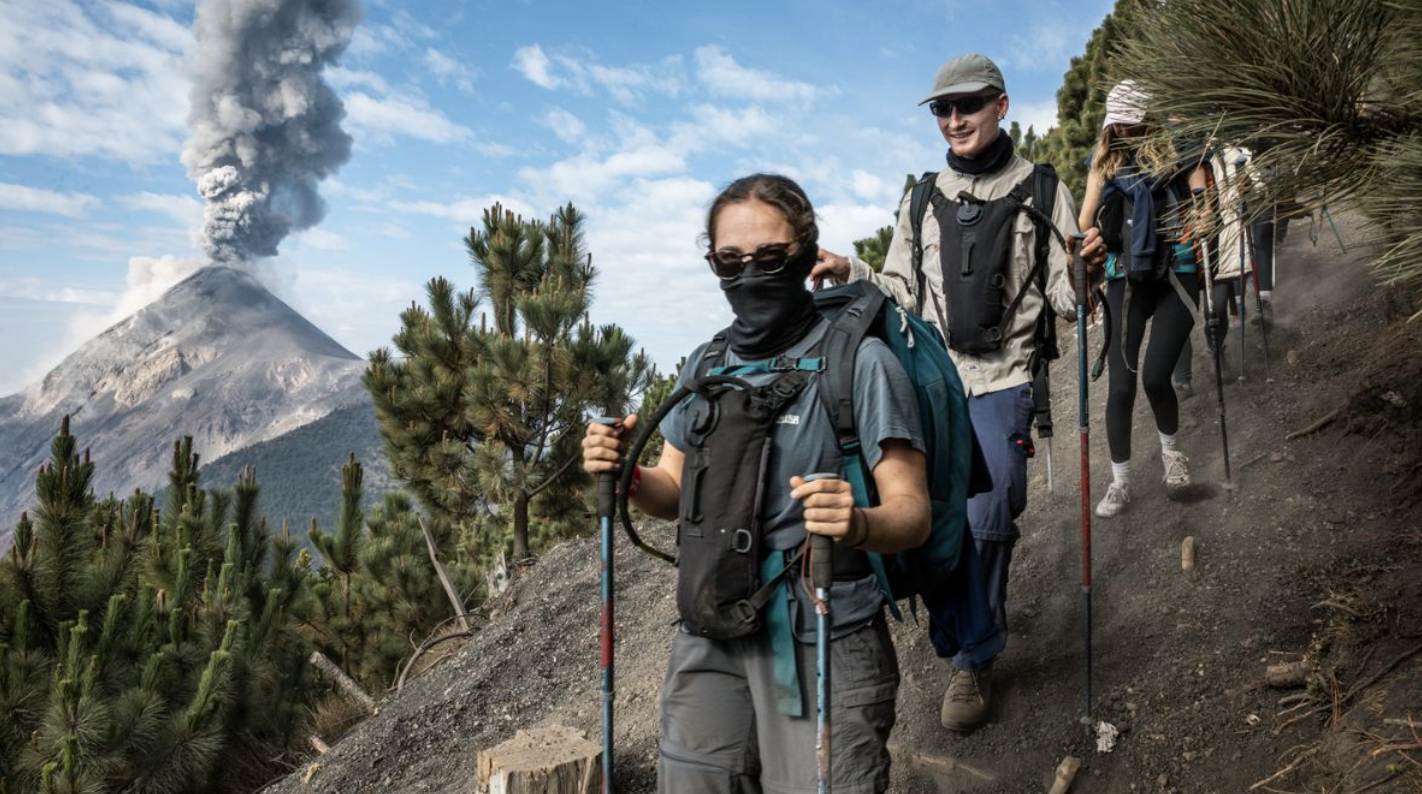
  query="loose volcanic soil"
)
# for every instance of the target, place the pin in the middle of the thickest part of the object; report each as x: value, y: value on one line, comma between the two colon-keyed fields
x: 1314, y: 554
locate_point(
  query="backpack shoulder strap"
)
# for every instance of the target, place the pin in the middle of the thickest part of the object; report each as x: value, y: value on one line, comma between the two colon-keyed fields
x: 918, y: 205
x: 838, y: 349
x: 712, y: 356
x: 1044, y: 198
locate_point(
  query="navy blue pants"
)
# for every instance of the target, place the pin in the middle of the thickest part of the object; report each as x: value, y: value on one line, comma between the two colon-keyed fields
x: 1000, y: 420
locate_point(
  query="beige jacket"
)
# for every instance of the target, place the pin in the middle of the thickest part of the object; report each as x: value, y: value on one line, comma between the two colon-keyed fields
x: 1008, y: 366
x: 1229, y: 178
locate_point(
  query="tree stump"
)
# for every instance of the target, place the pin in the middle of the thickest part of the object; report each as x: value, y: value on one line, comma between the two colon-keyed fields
x: 552, y: 760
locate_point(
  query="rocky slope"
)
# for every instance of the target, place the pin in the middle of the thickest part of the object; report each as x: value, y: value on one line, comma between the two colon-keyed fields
x: 217, y: 357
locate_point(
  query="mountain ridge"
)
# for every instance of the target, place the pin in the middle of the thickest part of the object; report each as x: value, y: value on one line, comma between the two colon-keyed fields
x: 217, y: 357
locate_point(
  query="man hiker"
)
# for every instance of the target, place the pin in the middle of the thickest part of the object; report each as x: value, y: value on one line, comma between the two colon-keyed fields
x: 989, y: 299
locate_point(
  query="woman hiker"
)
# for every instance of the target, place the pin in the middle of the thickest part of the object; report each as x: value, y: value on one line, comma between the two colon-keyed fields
x: 730, y: 719
x: 1138, y: 192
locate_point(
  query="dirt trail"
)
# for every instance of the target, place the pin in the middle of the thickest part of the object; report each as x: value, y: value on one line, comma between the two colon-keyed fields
x: 1317, y: 552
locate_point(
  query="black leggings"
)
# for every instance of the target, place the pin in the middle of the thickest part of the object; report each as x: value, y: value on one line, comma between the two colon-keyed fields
x: 1171, y: 322
x: 1223, y: 299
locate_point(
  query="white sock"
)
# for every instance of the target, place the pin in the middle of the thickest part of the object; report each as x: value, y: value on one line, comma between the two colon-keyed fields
x: 1121, y: 472
x: 1167, y: 442
x: 1266, y: 295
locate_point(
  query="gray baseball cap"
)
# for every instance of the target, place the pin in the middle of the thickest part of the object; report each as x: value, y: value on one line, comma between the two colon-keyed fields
x: 966, y: 74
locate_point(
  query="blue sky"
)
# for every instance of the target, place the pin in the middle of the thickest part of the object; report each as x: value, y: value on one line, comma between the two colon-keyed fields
x: 638, y: 112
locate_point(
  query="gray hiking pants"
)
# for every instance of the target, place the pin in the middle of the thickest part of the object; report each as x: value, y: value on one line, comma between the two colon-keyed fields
x: 722, y: 732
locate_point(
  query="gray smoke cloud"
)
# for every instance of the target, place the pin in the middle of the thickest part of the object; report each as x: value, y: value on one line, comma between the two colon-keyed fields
x: 265, y: 129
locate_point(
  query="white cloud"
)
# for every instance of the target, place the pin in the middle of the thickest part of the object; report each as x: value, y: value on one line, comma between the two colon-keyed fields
x: 533, y: 64
x: 869, y: 187
x: 148, y: 278
x: 711, y: 125
x: 361, y: 310
x: 625, y: 84
x: 652, y: 279
x: 1046, y: 41
x: 322, y: 240
x: 30, y: 199
x: 393, y: 230
x: 842, y: 224
x: 336, y: 187
x: 1041, y: 116
x: 182, y: 209
x: 407, y: 116
x: 448, y: 70
x: 103, y: 81
x: 584, y: 178
x: 342, y: 78
x: 465, y: 211
x: 720, y: 73
x: 565, y: 125
x: 371, y: 40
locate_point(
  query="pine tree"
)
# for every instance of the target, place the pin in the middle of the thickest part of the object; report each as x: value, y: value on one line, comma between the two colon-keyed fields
x: 142, y: 652
x: 1324, y: 94
x: 473, y: 415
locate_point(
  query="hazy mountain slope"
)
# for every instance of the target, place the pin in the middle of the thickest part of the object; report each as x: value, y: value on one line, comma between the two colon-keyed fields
x: 217, y: 357
x: 300, y: 472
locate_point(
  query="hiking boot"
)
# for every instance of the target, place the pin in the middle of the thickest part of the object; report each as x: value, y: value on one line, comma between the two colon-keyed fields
x: 1117, y: 496
x: 965, y: 704
x: 1184, y: 390
x: 1177, y: 469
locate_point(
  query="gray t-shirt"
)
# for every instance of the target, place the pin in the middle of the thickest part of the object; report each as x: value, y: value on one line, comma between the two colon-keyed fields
x: 885, y: 407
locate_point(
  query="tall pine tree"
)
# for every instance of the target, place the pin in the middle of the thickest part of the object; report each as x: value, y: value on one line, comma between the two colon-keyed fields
x: 478, y: 406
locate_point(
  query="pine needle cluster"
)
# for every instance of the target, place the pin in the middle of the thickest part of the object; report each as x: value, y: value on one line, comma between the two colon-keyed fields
x: 1327, y: 95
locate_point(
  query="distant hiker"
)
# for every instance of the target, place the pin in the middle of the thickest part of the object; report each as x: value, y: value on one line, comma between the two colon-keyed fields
x: 733, y: 714
x: 1138, y: 193
x: 1233, y: 186
x: 992, y: 307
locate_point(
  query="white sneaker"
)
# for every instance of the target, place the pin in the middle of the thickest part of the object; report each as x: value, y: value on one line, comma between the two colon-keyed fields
x: 1117, y: 496
x: 1177, y: 471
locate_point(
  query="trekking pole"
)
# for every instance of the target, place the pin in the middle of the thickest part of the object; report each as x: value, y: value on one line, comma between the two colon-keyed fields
x: 1212, y: 326
x: 1274, y: 251
x: 1334, y: 226
x: 606, y: 509
x: 1239, y: 296
x: 1084, y: 420
x: 1259, y: 305
x: 821, y: 576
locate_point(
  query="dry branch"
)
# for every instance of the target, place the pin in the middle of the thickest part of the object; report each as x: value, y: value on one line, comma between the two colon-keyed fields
x: 344, y: 682
x: 1304, y: 756
x: 1327, y: 419
x: 444, y: 581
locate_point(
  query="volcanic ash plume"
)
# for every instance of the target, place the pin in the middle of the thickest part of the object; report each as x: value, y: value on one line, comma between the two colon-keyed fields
x: 265, y: 129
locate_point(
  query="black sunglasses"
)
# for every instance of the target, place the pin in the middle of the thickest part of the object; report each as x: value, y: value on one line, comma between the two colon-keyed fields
x: 966, y: 106
x: 728, y: 263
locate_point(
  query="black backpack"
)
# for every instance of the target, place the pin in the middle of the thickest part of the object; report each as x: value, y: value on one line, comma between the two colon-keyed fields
x: 1045, y: 349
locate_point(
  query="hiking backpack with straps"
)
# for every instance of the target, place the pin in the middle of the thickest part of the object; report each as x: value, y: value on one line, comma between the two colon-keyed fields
x: 1114, y: 220
x: 1043, y: 193
x: 933, y: 572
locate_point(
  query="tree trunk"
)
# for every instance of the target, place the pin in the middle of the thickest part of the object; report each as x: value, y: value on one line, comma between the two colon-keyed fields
x: 552, y: 760
x: 520, y: 549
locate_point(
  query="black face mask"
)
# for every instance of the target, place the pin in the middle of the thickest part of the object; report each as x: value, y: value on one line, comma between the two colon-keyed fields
x: 772, y: 311
x: 991, y: 160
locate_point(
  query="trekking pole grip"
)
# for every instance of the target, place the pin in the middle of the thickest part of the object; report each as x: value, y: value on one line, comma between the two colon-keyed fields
x: 1078, y: 268
x: 607, y: 481
x: 822, y: 546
